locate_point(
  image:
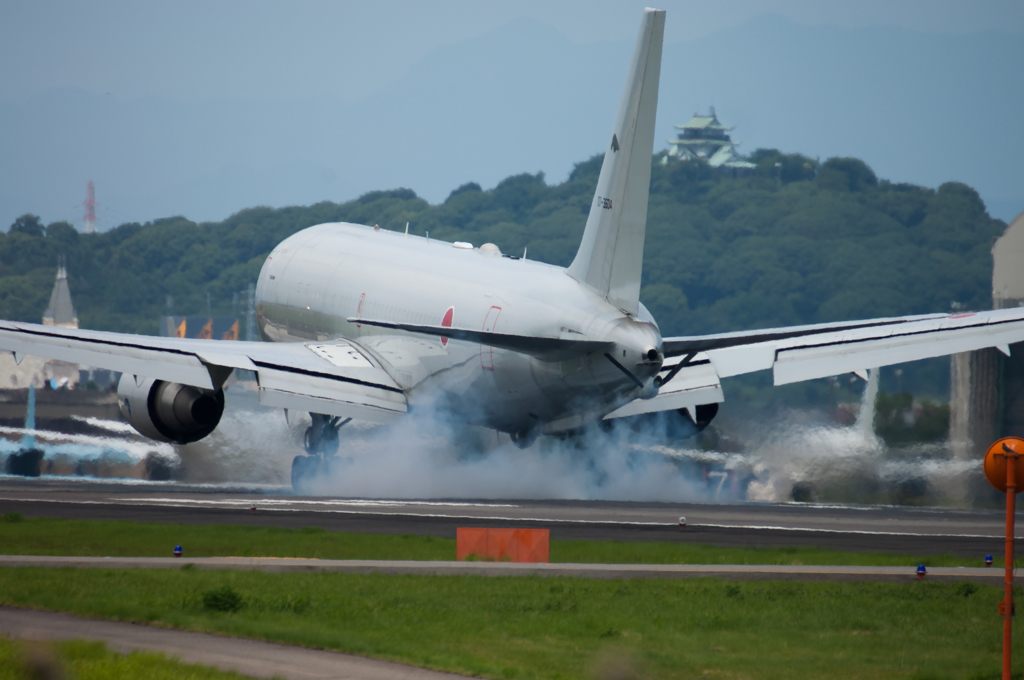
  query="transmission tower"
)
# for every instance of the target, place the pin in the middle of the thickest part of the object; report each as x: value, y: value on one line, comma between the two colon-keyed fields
x: 90, y: 210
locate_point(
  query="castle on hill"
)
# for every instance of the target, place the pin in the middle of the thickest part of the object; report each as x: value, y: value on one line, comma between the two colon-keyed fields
x: 705, y: 138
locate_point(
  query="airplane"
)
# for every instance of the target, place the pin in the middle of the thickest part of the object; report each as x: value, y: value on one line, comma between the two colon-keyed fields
x: 365, y: 323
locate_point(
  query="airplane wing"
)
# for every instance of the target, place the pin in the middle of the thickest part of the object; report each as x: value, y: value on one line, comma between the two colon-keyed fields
x: 805, y: 352
x: 694, y: 365
x: 334, y: 378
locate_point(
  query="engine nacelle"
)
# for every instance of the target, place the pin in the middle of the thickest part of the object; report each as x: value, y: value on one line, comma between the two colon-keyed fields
x: 169, y: 412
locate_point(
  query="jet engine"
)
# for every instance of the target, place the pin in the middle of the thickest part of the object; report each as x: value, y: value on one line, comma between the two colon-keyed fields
x: 169, y: 412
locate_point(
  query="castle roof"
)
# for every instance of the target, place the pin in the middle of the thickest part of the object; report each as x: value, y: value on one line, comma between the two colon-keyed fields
x: 703, y: 123
x: 708, y: 122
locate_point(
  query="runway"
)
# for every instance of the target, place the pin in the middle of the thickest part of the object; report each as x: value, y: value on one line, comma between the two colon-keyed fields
x: 745, y: 572
x: 967, y: 533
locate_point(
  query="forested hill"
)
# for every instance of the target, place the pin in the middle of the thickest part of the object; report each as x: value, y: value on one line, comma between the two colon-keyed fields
x: 793, y: 243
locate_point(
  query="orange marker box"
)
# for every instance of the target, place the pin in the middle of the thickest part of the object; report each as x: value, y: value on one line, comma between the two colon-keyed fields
x: 503, y: 545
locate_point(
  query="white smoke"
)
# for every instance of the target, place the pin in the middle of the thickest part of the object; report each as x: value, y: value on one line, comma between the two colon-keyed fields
x: 425, y: 457
x: 252, y: 444
x: 429, y: 455
x: 852, y: 464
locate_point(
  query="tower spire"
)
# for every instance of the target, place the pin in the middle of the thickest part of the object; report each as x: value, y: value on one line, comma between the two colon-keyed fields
x: 60, y: 311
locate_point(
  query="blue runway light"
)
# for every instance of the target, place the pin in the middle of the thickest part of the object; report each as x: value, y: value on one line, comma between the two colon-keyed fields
x: 921, y: 571
x: 177, y: 551
x: 988, y: 560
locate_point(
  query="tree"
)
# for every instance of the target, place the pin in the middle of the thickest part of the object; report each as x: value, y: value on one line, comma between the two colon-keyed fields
x: 62, y: 232
x: 468, y: 186
x: 27, y: 224
x: 962, y: 196
x: 665, y: 302
x: 792, y: 167
x: 520, y: 193
x: 846, y: 174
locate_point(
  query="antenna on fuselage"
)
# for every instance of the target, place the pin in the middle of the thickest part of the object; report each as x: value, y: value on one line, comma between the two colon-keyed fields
x: 524, y: 253
x: 406, y: 228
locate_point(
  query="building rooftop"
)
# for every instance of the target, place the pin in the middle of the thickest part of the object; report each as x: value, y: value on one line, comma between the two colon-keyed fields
x: 708, y: 122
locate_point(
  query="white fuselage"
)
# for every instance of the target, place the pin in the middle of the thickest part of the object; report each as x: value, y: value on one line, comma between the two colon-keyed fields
x: 321, y: 276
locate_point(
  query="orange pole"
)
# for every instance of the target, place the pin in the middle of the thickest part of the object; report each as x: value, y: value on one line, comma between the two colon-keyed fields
x: 1011, y: 492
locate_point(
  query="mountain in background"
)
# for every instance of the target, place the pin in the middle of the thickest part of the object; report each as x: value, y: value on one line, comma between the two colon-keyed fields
x: 924, y: 108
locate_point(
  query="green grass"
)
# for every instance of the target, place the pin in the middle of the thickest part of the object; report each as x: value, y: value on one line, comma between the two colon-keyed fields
x: 44, y: 536
x: 87, y: 660
x: 562, y: 628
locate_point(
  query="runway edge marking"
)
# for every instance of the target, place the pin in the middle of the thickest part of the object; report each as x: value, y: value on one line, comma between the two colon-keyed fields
x: 526, y: 519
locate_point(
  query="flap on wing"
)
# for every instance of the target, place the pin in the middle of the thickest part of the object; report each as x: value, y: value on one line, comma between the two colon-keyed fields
x: 852, y: 351
x: 363, y: 391
x: 350, y: 404
x: 694, y: 384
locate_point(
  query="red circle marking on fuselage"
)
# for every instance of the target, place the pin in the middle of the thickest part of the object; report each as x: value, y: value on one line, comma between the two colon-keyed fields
x: 446, y: 322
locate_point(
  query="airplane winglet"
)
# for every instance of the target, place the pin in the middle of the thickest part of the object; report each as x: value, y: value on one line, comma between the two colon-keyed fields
x: 610, y: 258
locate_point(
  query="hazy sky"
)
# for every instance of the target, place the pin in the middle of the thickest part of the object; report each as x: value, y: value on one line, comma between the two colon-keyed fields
x: 258, y: 49
x: 220, y: 55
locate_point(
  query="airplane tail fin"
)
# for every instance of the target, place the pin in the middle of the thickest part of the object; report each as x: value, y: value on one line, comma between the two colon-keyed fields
x: 610, y: 258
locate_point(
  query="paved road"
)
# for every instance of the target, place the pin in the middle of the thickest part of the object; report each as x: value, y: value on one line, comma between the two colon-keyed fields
x: 746, y: 572
x: 869, y: 528
x: 251, y: 657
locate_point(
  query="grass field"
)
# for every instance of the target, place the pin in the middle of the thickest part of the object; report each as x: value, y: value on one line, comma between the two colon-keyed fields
x: 561, y: 628
x: 86, y: 660
x: 43, y: 536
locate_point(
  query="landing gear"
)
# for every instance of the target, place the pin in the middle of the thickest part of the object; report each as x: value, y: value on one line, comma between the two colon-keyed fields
x: 322, y: 436
x: 321, y: 443
x: 524, y: 439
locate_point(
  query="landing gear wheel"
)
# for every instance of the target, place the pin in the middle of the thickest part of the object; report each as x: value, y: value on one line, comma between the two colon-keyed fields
x: 321, y: 443
x: 524, y: 439
x: 305, y: 468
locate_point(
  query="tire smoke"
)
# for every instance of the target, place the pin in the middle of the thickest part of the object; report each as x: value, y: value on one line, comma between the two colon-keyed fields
x: 428, y: 454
